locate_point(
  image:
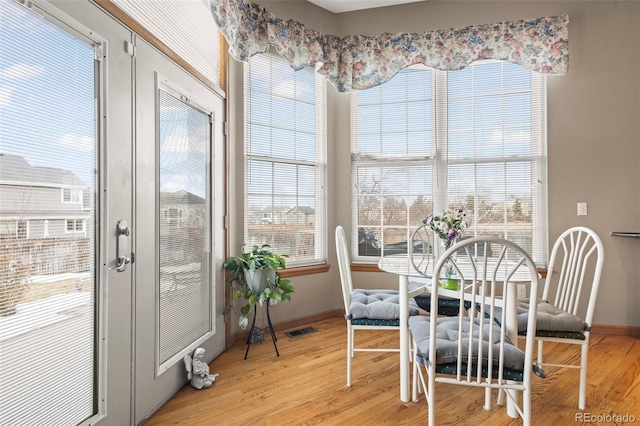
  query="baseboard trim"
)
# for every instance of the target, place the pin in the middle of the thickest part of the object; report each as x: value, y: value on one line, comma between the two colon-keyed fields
x: 241, y: 336
x: 615, y: 330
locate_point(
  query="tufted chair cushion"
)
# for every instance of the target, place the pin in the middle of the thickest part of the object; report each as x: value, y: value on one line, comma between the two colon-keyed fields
x: 378, y: 304
x: 447, y: 341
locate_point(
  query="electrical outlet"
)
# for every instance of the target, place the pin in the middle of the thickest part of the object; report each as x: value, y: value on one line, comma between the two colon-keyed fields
x: 522, y: 291
x: 582, y: 209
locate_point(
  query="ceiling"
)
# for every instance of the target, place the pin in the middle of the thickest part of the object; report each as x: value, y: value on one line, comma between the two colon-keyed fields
x: 338, y: 6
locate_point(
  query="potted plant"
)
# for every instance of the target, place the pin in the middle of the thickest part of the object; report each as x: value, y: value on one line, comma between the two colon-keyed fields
x: 254, y: 276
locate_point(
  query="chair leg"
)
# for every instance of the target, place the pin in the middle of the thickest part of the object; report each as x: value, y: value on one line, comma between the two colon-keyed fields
x: 431, y: 397
x: 540, y: 349
x: 583, y: 376
x: 349, y: 352
x: 487, y: 398
x: 526, y: 406
x: 414, y: 377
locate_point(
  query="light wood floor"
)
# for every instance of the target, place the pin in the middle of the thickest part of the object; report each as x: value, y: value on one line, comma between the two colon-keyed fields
x: 306, y: 385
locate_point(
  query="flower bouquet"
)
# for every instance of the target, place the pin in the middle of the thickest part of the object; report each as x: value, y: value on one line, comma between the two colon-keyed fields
x: 448, y: 226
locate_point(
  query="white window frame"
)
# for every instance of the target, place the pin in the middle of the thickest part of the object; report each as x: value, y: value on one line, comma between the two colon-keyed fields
x: 75, y: 195
x: 76, y: 229
x: 319, y: 165
x: 440, y: 163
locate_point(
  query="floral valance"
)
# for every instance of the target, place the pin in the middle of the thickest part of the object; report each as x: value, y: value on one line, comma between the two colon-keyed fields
x: 360, y: 62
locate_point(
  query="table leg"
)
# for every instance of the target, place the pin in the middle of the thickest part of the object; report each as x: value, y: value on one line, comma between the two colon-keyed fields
x: 512, y: 332
x: 403, y: 289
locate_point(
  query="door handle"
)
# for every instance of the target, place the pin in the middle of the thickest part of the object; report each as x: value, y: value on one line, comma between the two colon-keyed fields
x: 122, y: 237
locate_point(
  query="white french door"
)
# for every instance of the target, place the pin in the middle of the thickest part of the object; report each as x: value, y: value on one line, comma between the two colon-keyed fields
x: 111, y: 218
x: 179, y: 239
x: 65, y: 181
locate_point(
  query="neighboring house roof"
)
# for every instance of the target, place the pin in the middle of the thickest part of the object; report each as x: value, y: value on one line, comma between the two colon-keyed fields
x: 272, y: 209
x: 15, y: 170
x: 180, y: 197
x: 303, y: 209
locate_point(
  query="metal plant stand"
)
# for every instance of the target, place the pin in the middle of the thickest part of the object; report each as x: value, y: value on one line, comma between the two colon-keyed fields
x: 253, y: 328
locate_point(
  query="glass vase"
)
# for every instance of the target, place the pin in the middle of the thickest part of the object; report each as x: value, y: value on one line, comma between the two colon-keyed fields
x: 448, y: 276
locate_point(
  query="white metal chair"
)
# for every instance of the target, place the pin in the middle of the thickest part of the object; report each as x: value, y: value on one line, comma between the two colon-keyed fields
x: 366, y: 309
x: 563, y: 314
x: 472, y: 348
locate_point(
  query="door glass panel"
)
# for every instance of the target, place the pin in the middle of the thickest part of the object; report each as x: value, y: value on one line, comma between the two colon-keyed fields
x: 185, y: 311
x: 48, y: 163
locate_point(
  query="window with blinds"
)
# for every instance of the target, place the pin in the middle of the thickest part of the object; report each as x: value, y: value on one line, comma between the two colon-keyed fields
x: 167, y: 20
x: 184, y: 220
x: 428, y: 140
x: 49, y: 170
x: 285, y: 167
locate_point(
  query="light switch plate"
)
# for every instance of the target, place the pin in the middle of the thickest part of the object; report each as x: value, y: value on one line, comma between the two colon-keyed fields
x: 582, y: 209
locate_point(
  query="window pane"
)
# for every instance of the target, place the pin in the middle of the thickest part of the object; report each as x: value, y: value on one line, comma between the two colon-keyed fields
x: 184, y: 217
x: 48, y: 236
x: 490, y: 158
x: 285, y: 165
x: 166, y: 21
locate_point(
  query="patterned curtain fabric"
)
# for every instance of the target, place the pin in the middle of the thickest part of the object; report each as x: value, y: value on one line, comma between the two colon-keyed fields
x: 359, y: 62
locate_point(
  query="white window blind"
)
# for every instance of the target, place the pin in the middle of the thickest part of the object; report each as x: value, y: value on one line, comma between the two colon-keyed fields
x: 184, y: 219
x: 285, y: 148
x: 48, y: 237
x: 185, y: 26
x: 428, y: 140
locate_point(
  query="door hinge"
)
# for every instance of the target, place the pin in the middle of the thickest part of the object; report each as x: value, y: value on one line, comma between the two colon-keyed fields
x: 225, y: 128
x: 129, y: 47
x: 98, y: 52
x: 225, y: 221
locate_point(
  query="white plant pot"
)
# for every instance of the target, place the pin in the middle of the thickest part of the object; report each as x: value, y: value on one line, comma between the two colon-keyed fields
x: 257, y: 280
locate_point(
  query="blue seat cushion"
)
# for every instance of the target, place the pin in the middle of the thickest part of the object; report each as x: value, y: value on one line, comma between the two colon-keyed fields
x: 550, y: 321
x: 446, y: 305
x: 507, y: 373
x: 447, y: 341
x: 561, y: 334
x: 551, y: 318
x: 376, y: 322
x: 378, y: 305
x: 523, y: 317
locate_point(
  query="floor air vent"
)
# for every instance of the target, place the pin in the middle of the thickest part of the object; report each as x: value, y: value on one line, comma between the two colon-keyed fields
x: 300, y: 332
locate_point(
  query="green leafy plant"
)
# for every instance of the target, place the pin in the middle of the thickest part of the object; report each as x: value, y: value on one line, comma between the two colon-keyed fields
x: 254, y: 276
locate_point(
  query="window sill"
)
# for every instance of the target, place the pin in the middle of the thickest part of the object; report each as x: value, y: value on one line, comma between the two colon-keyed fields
x: 304, y: 270
x: 365, y: 267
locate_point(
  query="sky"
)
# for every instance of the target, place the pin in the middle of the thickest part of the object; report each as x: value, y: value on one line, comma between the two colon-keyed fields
x: 48, y: 110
